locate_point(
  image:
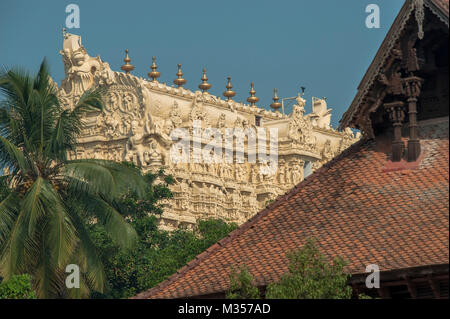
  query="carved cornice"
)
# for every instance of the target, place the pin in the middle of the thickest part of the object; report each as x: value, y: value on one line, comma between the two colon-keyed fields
x: 387, y: 49
x: 438, y: 9
x: 412, y: 85
x: 377, y: 64
x: 396, y: 112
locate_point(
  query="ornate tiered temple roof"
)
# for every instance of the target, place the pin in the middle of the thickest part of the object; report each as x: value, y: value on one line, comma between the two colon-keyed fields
x: 140, y: 114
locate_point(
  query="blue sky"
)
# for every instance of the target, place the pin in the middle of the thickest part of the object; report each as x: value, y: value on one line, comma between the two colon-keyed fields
x: 323, y: 45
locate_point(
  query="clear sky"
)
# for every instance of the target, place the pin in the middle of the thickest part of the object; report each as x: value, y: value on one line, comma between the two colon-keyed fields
x: 323, y: 45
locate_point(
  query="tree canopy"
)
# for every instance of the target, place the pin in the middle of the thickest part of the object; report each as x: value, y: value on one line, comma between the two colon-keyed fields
x: 49, y: 198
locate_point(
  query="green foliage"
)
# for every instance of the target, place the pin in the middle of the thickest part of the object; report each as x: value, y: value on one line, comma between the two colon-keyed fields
x: 158, y: 255
x: 46, y: 199
x: 310, y: 276
x: 4, y: 189
x: 132, y: 205
x: 18, y: 287
x: 241, y: 285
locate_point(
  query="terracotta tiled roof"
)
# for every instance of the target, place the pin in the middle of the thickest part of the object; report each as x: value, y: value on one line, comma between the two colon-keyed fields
x: 352, y: 207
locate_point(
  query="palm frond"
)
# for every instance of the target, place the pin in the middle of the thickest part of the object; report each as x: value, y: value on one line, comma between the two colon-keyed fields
x: 121, y: 232
x: 9, y: 209
x: 59, y: 230
x: 86, y: 255
x: 104, y: 177
x: 11, y: 156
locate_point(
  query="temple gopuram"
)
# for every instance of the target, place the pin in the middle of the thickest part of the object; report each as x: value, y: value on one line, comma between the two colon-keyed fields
x: 140, y: 114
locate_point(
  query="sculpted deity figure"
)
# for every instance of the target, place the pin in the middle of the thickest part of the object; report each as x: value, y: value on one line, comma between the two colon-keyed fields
x: 297, y: 171
x: 254, y: 174
x: 134, y: 144
x: 327, y: 152
x: 245, y: 124
x: 126, y: 125
x: 347, y: 139
x: 229, y: 170
x: 155, y: 157
x: 106, y: 75
x: 113, y: 103
x: 168, y: 128
x: 185, y: 195
x: 238, y: 122
x: 112, y: 125
x: 80, y: 69
x: 281, y: 172
x: 197, y: 112
x: 300, y: 102
x: 174, y: 115
x: 249, y: 130
x: 127, y: 104
x: 221, y: 121
x: 300, y: 128
x: 287, y: 174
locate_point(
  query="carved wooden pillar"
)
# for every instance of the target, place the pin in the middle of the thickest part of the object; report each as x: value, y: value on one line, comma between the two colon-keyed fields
x: 397, y: 115
x: 412, y: 86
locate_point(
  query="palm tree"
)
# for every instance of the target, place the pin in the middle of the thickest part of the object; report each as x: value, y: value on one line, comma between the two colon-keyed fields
x: 51, y: 198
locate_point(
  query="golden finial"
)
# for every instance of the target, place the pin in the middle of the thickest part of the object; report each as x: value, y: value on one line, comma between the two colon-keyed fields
x: 229, y: 93
x: 127, y: 67
x: 275, y: 105
x: 154, y: 74
x: 204, y: 86
x: 252, y: 99
x: 179, y: 81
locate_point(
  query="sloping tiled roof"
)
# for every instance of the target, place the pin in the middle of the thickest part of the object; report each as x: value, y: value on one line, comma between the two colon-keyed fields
x: 352, y: 207
x: 439, y: 7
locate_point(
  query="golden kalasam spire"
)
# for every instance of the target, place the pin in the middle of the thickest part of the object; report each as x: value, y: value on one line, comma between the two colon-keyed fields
x: 229, y: 93
x: 252, y: 99
x: 127, y: 67
x: 179, y: 81
x: 204, y: 86
x: 275, y: 105
x: 154, y: 74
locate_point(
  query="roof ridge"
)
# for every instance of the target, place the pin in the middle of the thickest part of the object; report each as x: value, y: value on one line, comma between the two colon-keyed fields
x: 250, y: 222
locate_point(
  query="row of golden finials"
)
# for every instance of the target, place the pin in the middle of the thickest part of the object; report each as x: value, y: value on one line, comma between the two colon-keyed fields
x: 204, y: 86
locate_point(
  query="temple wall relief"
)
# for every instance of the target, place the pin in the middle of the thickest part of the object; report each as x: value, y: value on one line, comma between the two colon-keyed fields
x: 139, y: 116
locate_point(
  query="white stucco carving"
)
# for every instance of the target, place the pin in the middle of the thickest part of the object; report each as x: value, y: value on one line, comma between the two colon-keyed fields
x: 139, y: 116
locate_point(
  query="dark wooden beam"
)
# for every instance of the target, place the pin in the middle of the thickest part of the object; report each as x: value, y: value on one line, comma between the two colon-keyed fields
x: 434, y: 286
x: 411, y: 287
x: 384, y: 293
